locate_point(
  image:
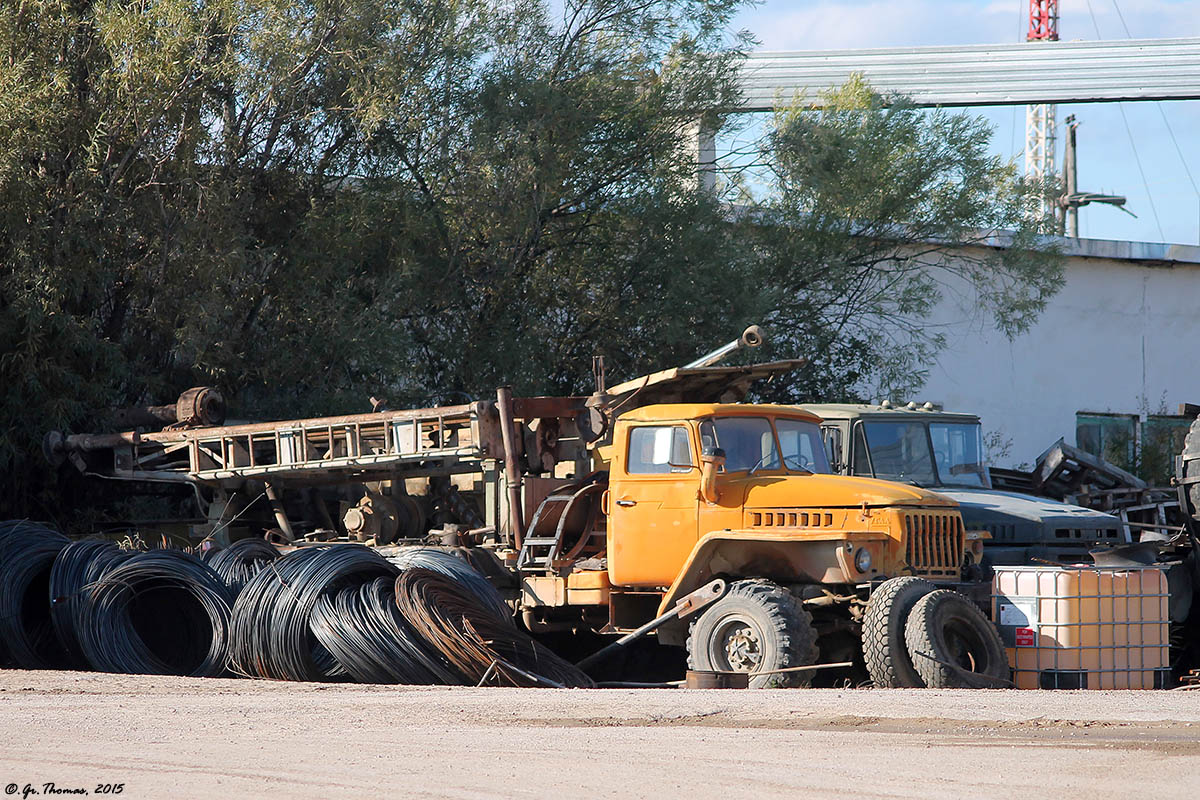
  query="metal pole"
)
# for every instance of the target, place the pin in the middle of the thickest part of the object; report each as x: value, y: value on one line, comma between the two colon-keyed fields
x: 512, y: 470
x: 1072, y: 178
x: 685, y: 606
x: 280, y: 514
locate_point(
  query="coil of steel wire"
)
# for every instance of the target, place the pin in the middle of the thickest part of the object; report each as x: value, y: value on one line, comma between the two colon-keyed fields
x: 27, y: 552
x: 163, y: 612
x: 271, y: 637
x: 363, y: 629
x: 241, y: 561
x: 76, y: 566
x: 454, y: 567
x: 476, y: 642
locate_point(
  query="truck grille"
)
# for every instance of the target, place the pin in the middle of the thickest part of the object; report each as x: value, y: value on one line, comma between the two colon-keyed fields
x: 935, y: 542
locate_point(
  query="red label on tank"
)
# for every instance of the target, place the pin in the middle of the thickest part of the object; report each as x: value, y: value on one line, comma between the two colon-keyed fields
x: 1026, y: 637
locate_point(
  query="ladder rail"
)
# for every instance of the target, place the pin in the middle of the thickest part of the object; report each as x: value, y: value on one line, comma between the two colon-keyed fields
x: 302, y: 447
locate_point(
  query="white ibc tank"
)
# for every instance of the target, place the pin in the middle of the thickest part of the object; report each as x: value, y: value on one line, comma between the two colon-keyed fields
x: 1083, y: 627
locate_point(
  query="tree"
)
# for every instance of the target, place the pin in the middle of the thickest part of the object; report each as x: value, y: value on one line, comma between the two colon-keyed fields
x: 872, y: 208
x: 307, y: 202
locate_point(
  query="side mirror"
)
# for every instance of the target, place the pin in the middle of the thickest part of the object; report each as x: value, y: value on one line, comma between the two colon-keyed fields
x: 711, y: 459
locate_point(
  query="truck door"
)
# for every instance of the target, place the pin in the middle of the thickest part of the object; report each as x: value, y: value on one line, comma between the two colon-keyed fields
x: 833, y: 434
x: 652, y: 506
x: 860, y: 457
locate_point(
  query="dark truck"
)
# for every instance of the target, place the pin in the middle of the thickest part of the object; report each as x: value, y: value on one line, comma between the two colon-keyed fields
x: 942, y: 450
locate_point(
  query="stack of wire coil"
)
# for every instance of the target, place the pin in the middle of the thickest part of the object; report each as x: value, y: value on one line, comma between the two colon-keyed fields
x: 27, y: 553
x: 241, y: 561
x: 78, y: 565
x: 271, y: 634
x: 457, y: 569
x: 473, y: 639
x: 363, y: 629
x: 161, y: 612
x: 320, y: 612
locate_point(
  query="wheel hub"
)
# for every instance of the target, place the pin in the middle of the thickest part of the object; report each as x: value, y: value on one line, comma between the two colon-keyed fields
x: 742, y: 648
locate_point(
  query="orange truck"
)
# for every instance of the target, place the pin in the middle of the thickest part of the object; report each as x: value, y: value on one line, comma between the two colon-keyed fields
x: 714, y: 525
x: 742, y: 493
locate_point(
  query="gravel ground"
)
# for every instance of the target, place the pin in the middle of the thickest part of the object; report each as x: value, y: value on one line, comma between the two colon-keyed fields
x: 180, y: 737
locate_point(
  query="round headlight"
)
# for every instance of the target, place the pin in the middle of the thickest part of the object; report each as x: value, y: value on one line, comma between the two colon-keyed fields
x: 862, y: 560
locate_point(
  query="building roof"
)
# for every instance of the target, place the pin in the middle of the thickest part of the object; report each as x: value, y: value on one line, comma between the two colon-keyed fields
x: 1152, y: 253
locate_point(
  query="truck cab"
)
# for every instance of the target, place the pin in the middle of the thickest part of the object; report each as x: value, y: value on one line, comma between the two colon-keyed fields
x: 943, y: 451
x: 773, y: 484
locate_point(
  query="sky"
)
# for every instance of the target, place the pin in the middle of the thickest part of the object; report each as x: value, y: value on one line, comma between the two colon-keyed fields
x: 1131, y: 154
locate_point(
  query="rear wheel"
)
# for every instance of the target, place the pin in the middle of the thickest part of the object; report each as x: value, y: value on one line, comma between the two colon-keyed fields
x: 949, y: 638
x: 756, y: 627
x: 883, y: 632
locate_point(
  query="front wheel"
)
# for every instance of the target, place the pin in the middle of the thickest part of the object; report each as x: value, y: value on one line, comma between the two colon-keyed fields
x: 757, y: 627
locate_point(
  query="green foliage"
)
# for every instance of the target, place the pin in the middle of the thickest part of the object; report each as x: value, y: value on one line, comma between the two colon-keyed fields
x: 875, y: 211
x: 307, y: 202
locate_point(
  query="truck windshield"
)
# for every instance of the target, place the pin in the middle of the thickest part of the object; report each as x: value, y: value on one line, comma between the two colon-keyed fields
x: 925, y: 453
x: 747, y: 441
x: 801, y: 445
x: 900, y: 451
x: 958, y: 451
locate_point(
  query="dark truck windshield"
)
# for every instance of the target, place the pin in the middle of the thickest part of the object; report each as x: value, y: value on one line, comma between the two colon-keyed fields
x: 925, y: 453
x: 749, y: 443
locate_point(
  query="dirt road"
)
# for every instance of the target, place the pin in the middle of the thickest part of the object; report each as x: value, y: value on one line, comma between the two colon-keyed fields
x: 171, y: 737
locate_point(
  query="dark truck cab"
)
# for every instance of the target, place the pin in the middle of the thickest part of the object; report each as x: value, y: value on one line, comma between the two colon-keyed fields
x: 943, y: 451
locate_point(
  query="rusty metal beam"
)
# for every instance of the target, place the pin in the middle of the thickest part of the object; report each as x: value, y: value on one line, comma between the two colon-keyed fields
x: 542, y: 407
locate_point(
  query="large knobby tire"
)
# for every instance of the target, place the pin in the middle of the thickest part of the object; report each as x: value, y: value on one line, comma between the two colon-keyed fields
x: 883, y: 645
x: 1191, y: 466
x: 949, y: 627
x: 758, y: 625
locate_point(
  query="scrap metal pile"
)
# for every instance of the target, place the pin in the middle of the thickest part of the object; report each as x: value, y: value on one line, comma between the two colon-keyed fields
x: 337, y: 612
x: 1073, y: 475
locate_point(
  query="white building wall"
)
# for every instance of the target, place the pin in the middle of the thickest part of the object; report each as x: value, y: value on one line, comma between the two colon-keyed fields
x: 1122, y: 336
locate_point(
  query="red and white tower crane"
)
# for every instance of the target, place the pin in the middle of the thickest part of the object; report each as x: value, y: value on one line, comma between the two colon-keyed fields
x: 1040, y: 119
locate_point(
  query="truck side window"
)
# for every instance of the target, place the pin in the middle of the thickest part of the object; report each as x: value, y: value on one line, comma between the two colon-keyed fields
x: 800, y: 446
x: 658, y: 450
x: 862, y: 465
